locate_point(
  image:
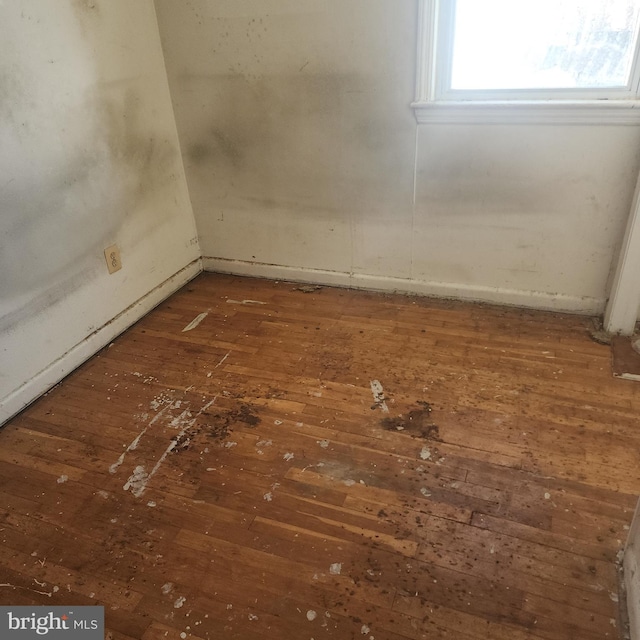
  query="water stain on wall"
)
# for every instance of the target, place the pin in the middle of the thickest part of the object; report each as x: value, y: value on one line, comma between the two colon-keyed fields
x: 86, y: 159
x: 218, y: 145
x: 87, y: 12
x: 11, y: 94
x: 142, y: 159
x: 295, y: 142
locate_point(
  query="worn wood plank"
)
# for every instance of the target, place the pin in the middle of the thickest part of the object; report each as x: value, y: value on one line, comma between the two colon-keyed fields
x: 335, y: 463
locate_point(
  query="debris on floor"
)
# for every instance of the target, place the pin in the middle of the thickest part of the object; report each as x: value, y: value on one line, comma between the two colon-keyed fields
x: 625, y: 358
x: 378, y: 396
x: 416, y: 423
x: 308, y: 288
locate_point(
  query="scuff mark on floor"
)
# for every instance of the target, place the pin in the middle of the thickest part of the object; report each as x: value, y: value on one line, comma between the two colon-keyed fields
x: 229, y: 301
x: 196, y: 321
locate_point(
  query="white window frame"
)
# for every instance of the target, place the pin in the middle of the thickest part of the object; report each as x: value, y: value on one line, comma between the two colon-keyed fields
x: 435, y: 103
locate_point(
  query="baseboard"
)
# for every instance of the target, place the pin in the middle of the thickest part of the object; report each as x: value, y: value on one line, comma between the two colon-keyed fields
x: 494, y: 295
x: 56, y: 371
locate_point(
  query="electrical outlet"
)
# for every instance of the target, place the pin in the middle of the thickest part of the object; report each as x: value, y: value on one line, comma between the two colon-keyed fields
x: 112, y: 256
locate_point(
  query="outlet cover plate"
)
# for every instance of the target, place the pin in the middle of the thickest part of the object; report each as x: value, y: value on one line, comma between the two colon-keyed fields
x: 112, y: 256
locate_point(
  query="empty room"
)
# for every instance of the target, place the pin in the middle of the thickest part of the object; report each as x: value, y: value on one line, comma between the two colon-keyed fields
x: 318, y: 319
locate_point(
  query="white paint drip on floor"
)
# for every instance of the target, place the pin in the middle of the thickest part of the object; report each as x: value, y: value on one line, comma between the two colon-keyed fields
x: 16, y: 587
x: 335, y: 568
x: 139, y: 479
x: 245, y: 302
x: 179, y: 420
x: 179, y: 602
x: 425, y: 454
x: 378, y: 395
x: 134, y: 443
x: 311, y: 615
x: 288, y: 457
x: 62, y: 479
x: 196, y: 321
x: 221, y: 361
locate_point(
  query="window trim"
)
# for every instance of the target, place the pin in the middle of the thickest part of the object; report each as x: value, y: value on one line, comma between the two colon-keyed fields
x: 434, y: 105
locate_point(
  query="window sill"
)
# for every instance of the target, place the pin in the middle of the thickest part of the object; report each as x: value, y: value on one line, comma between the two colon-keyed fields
x: 583, y: 112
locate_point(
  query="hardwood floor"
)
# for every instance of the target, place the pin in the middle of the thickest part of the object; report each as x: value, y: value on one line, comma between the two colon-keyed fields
x: 324, y: 463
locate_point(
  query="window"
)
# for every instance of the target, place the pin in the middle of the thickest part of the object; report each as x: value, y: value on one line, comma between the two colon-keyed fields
x: 530, y: 60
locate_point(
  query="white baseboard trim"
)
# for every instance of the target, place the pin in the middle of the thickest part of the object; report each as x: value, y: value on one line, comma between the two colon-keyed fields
x: 57, y: 370
x: 475, y: 293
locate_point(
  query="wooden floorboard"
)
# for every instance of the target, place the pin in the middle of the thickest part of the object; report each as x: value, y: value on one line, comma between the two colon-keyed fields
x: 336, y: 464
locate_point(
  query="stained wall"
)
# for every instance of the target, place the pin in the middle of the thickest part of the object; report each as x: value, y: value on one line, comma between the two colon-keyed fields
x: 304, y: 160
x: 90, y: 157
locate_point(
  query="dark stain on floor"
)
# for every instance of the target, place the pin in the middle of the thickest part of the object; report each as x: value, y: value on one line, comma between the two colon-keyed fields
x: 417, y: 423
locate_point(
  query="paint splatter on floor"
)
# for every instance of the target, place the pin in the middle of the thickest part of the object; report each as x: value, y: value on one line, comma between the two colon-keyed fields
x: 195, y: 322
x: 378, y: 396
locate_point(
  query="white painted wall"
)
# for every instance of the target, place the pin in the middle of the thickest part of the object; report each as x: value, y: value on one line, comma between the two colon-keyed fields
x: 300, y: 151
x: 623, y: 306
x: 89, y: 157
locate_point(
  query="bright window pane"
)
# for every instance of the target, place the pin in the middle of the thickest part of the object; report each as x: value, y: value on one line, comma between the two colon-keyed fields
x: 543, y: 44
